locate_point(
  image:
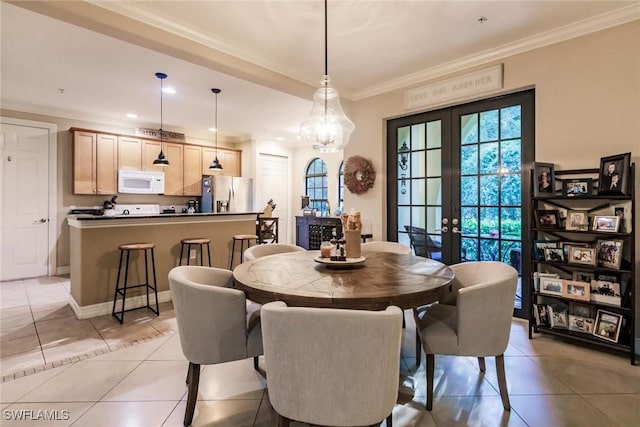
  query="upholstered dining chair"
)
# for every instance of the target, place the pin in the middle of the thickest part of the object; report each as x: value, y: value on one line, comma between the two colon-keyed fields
x: 215, y: 322
x: 258, y: 251
x: 331, y: 367
x: 382, y: 246
x: 472, y: 319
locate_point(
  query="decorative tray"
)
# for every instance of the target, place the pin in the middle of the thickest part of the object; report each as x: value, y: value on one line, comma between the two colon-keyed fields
x: 350, y: 262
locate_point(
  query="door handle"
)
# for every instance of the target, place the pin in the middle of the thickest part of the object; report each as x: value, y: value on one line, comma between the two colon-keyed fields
x: 456, y: 231
x: 40, y: 221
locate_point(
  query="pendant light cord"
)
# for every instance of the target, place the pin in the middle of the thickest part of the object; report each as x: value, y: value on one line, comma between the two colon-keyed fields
x: 161, y: 122
x: 326, y: 55
x: 216, y: 124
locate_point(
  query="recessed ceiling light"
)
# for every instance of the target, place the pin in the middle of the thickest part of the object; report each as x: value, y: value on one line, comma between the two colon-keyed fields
x: 132, y: 115
x: 212, y: 129
x: 169, y: 90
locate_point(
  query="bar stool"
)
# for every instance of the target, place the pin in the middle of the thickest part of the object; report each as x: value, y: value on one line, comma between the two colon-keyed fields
x: 242, y: 238
x: 200, y: 243
x: 128, y: 247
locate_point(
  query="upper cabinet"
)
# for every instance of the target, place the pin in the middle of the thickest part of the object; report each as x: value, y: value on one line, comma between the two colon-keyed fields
x: 192, y: 173
x: 173, y: 179
x: 129, y: 153
x: 94, y: 163
x: 97, y: 158
x: 230, y: 160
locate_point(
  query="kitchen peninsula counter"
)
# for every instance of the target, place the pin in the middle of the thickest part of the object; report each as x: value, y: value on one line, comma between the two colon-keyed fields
x: 94, y: 252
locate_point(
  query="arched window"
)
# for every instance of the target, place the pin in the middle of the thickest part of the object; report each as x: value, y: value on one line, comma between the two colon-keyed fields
x: 315, y: 185
x: 341, y: 186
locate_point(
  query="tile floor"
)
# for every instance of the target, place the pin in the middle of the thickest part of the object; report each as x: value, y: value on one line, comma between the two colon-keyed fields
x: 550, y: 383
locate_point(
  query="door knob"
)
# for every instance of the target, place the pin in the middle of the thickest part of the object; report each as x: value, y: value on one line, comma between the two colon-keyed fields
x: 444, y: 229
x: 40, y: 221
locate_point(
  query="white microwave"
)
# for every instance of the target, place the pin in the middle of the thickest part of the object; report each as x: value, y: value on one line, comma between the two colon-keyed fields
x: 140, y: 182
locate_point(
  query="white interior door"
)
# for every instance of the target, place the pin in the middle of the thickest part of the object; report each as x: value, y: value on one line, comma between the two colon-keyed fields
x: 273, y: 183
x: 24, y: 215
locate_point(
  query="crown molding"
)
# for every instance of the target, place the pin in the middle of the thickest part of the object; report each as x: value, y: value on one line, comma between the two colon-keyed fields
x: 577, y: 29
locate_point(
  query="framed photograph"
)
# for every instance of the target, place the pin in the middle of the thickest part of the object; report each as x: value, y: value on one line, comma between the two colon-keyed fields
x: 576, y: 290
x: 558, y: 317
x: 580, y: 324
x: 554, y: 254
x: 607, y: 325
x: 543, y: 179
x: 577, y: 187
x: 614, y: 174
x: 582, y: 255
x: 581, y: 310
x: 609, y: 253
x: 577, y: 220
x: 606, y: 292
x: 582, y: 276
x: 536, y: 278
x: 566, y: 245
x: 540, y: 245
x: 541, y: 314
x: 547, y: 218
x: 551, y: 286
x: 606, y: 223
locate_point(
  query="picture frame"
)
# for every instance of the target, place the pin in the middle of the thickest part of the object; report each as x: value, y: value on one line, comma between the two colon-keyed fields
x: 583, y: 276
x: 577, y: 220
x: 554, y: 254
x: 581, y: 324
x: 541, y: 315
x: 606, y: 223
x: 543, y: 179
x: 613, y: 177
x: 576, y: 290
x: 547, y: 218
x: 582, y: 255
x: 581, y: 310
x: 536, y: 278
x: 551, y: 286
x: 540, y: 245
x: 606, y: 292
x: 558, y: 317
x: 566, y: 245
x: 609, y: 253
x: 607, y: 325
x: 579, y: 187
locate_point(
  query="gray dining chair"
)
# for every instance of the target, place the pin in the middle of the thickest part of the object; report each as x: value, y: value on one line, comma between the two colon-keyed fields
x: 383, y: 246
x: 259, y: 251
x: 215, y: 322
x: 473, y: 318
x: 332, y: 367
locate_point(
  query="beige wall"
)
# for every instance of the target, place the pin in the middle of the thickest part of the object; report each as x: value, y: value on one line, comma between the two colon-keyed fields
x: 587, y: 107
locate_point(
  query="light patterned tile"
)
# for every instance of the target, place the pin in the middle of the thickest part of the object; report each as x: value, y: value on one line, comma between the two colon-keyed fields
x: 134, y: 352
x: 624, y: 409
x: 480, y: 411
x: 229, y: 413
x: 11, y: 391
x: 231, y: 380
x: 152, y: 380
x: 109, y: 414
x: 559, y: 410
x: 21, y: 361
x: 170, y: 350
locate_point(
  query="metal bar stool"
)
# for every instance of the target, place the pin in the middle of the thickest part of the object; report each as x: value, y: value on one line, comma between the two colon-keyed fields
x: 241, y: 238
x: 122, y: 291
x: 200, y: 243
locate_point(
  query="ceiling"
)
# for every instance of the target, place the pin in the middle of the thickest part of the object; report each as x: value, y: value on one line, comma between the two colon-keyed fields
x: 96, y: 60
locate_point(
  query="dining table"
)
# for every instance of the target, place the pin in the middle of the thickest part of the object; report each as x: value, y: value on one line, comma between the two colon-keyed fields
x: 372, y: 282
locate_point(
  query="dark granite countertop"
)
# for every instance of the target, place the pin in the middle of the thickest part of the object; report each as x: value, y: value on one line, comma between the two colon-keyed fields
x: 86, y: 217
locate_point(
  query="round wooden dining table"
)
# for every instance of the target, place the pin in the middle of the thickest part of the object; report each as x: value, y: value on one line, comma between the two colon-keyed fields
x: 383, y: 279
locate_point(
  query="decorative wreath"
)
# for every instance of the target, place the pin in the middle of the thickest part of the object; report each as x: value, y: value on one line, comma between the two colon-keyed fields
x: 359, y: 174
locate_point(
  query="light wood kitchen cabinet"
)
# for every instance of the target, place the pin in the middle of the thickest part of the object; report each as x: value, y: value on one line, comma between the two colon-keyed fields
x: 230, y: 160
x: 192, y: 175
x: 129, y: 153
x: 173, y: 179
x: 94, y: 163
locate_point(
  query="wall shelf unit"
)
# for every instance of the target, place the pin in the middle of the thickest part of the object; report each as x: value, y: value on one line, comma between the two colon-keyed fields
x: 583, y: 282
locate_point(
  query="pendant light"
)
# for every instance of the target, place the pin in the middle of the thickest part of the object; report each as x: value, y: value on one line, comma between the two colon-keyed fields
x: 161, y: 160
x: 215, y: 164
x: 327, y: 127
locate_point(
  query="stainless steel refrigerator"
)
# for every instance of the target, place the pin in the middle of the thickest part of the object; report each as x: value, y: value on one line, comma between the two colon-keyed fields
x: 226, y: 194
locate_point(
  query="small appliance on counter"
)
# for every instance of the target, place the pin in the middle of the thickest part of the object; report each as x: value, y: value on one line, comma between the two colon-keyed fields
x: 95, y: 210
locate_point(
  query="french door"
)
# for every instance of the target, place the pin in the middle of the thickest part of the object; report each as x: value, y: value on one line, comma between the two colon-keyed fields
x: 457, y: 183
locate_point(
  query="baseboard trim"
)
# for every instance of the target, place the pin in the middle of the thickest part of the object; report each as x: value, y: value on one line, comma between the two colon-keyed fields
x: 95, y: 310
x: 63, y: 270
